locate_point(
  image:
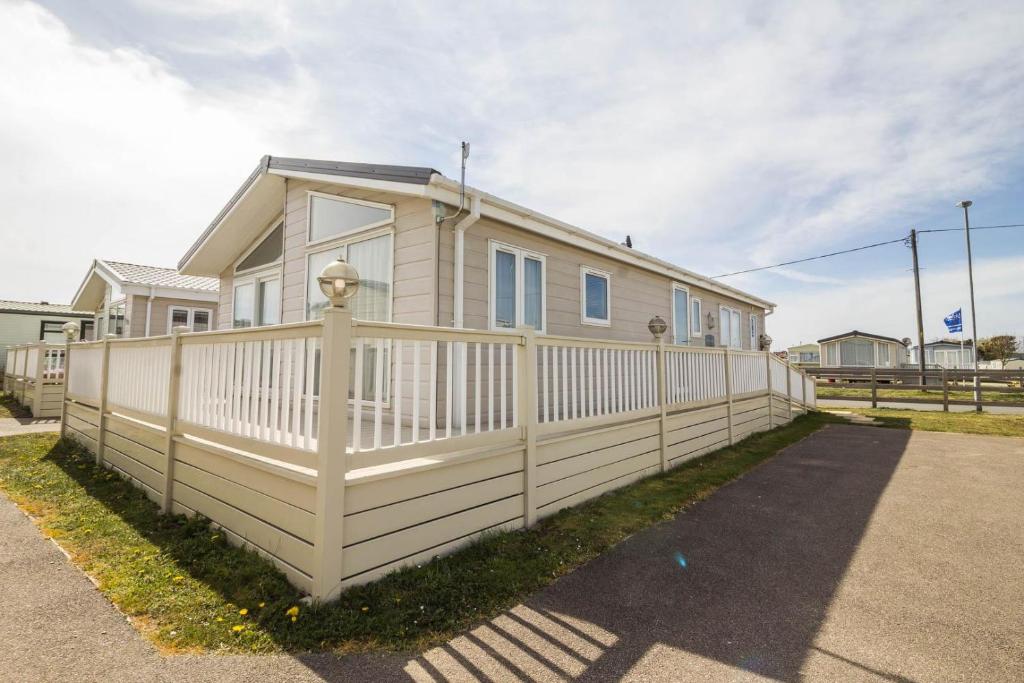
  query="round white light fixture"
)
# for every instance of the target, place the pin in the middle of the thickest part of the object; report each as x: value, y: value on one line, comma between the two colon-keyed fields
x: 339, y: 282
x: 70, y: 330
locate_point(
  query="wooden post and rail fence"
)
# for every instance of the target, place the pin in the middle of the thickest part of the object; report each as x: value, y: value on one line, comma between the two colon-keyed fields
x: 343, y: 450
x: 1003, y: 388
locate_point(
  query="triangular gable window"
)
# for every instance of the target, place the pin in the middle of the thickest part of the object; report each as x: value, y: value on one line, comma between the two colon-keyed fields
x: 269, y: 251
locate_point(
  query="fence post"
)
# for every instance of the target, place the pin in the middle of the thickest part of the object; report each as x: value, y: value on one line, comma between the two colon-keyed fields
x: 945, y: 392
x: 661, y: 404
x: 332, y: 453
x: 771, y: 399
x: 101, y: 438
x: 527, y: 379
x: 173, y: 392
x: 803, y: 389
x: 37, y: 400
x: 64, y: 392
x: 789, y: 392
x: 874, y: 388
x: 728, y: 392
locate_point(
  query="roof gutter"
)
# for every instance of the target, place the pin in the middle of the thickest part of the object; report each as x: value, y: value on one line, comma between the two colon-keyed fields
x: 508, y: 212
x: 460, y: 229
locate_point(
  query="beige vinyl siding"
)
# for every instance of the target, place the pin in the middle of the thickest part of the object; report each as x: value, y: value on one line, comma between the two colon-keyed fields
x: 636, y: 295
x: 413, y: 293
x: 158, y: 315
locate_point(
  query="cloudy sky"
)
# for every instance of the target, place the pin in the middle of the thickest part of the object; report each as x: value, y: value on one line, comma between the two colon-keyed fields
x: 721, y: 136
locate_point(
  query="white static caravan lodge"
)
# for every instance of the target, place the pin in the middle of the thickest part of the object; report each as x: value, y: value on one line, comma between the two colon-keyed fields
x: 500, y: 367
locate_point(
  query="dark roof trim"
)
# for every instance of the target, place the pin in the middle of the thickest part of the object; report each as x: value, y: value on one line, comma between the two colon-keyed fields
x: 855, y: 333
x: 414, y: 175
x: 417, y: 175
x: 948, y: 342
x: 49, y: 314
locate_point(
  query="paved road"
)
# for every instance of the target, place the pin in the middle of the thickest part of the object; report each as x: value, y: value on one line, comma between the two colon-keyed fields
x: 840, y: 403
x: 860, y: 553
x: 12, y: 426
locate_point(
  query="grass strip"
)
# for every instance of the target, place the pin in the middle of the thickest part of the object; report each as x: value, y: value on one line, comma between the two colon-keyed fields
x: 188, y: 590
x: 992, y: 424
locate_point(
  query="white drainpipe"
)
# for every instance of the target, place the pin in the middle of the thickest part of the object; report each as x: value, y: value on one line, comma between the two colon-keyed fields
x: 459, y: 305
x: 149, y: 308
x: 460, y: 259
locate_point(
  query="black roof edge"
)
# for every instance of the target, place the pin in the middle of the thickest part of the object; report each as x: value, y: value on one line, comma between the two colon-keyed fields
x: 43, y: 314
x: 417, y: 175
x: 856, y: 333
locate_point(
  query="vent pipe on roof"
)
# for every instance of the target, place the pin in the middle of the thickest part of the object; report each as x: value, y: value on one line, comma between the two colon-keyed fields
x: 462, y: 185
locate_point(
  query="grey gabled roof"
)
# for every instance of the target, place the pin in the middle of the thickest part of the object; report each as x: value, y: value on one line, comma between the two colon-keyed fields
x: 154, y: 276
x: 855, y: 333
x: 40, y: 308
x: 418, y: 175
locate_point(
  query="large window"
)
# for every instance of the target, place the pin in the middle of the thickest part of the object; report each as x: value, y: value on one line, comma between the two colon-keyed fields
x: 732, y: 333
x: 595, y: 286
x: 884, y: 360
x: 372, y: 258
x: 257, y: 301
x: 830, y: 355
x: 517, y: 287
x: 333, y: 217
x: 859, y: 352
x: 680, y: 314
x: 196, y: 319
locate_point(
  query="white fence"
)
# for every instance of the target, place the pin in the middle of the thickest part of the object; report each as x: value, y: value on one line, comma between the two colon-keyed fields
x: 345, y: 449
x: 34, y: 374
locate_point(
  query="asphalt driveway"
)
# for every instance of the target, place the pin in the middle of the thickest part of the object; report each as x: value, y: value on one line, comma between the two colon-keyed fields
x: 860, y: 553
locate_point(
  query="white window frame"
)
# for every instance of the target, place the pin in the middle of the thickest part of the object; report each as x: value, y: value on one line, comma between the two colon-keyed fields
x: 678, y: 286
x: 348, y: 239
x: 722, y: 308
x: 277, y: 263
x: 521, y: 254
x: 584, y: 272
x: 192, y: 310
x: 346, y: 200
x: 753, y: 330
x: 696, y: 322
x: 255, y: 278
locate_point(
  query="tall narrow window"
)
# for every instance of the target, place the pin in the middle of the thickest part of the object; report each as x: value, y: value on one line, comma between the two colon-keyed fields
x: 696, y: 311
x: 505, y: 289
x: 753, y: 332
x: 244, y: 306
x: 680, y: 315
x: 269, y: 301
x: 595, y: 289
x: 732, y: 332
x: 517, y: 287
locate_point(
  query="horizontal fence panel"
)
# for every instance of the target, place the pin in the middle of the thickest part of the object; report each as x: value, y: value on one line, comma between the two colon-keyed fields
x: 137, y: 377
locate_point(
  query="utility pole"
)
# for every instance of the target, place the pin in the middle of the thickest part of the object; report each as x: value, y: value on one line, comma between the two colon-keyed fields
x: 965, y: 204
x: 917, y: 295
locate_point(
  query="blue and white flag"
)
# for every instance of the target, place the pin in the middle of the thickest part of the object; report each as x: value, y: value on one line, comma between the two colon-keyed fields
x: 954, y: 321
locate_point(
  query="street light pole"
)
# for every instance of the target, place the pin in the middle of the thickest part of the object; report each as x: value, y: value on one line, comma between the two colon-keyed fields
x: 965, y: 204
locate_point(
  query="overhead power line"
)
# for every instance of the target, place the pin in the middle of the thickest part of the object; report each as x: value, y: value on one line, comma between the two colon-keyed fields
x: 866, y: 246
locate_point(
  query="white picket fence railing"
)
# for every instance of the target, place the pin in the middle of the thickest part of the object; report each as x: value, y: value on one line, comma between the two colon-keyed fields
x: 138, y: 375
x: 86, y: 368
x: 749, y: 372
x: 694, y: 374
x: 579, y: 379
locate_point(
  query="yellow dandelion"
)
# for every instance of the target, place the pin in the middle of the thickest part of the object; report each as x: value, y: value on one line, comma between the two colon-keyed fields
x: 178, y: 579
x: 243, y: 611
x: 295, y: 619
x: 366, y: 609
x: 262, y: 605
x: 220, y: 619
x: 238, y: 628
x: 293, y: 611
